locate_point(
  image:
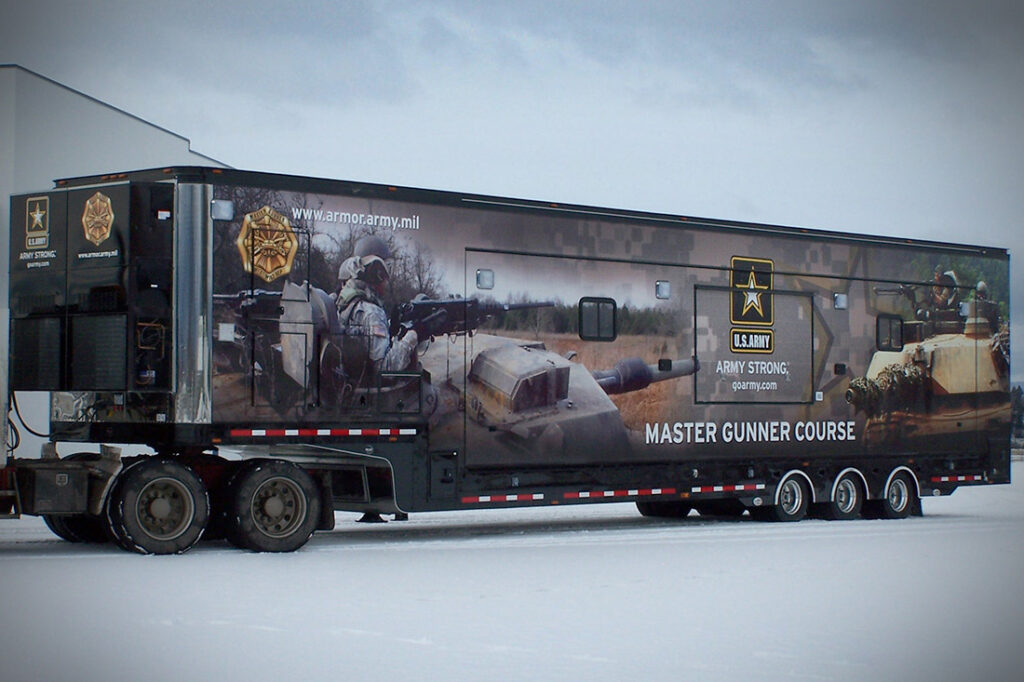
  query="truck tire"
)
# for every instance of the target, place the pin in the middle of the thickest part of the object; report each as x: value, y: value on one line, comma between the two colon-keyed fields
x: 158, y: 506
x: 78, y: 527
x: 273, y: 506
x: 663, y: 509
x: 794, y: 499
x: 86, y: 528
x: 58, y: 527
x: 848, y: 499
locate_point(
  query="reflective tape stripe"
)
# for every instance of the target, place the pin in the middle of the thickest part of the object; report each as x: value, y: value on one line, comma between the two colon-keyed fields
x: 957, y: 479
x: 727, y: 488
x: 313, y: 433
x: 521, y: 497
x: 633, y: 492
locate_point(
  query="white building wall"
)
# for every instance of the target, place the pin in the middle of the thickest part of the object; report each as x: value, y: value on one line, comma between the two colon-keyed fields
x: 49, y: 131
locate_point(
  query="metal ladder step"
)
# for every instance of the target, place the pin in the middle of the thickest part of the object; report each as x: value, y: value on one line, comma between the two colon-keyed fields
x: 9, y: 500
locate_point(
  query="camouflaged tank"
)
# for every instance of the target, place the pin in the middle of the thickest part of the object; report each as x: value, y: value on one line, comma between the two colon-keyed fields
x: 949, y: 382
x: 526, y: 404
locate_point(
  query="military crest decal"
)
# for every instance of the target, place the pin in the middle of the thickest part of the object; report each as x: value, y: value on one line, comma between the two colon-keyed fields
x: 98, y: 218
x: 267, y: 244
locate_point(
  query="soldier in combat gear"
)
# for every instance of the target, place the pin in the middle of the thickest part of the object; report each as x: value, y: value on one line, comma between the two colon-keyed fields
x: 369, y: 348
x: 987, y: 308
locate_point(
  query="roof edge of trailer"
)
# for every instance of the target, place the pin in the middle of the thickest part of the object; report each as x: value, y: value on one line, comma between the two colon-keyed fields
x: 213, y: 175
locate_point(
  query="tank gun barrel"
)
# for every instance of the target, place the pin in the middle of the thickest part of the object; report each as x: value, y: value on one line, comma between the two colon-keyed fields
x: 633, y: 374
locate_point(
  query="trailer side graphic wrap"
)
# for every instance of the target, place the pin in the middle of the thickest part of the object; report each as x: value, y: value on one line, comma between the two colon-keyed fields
x: 725, y: 343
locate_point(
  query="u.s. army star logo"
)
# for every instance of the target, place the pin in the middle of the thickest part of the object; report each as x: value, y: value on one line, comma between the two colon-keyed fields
x: 97, y: 218
x: 750, y: 280
x: 751, y: 302
x: 37, y: 223
x: 267, y: 244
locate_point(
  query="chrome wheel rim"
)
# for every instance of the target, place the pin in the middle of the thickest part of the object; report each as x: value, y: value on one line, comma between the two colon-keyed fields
x: 898, y: 495
x: 278, y: 507
x: 792, y: 497
x: 846, y: 496
x: 165, y: 508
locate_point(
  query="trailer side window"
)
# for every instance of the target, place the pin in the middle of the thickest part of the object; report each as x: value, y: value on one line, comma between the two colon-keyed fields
x: 485, y: 279
x: 597, y: 319
x: 889, y: 333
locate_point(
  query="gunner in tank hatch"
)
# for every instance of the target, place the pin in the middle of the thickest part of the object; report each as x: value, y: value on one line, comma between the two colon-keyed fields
x: 945, y: 293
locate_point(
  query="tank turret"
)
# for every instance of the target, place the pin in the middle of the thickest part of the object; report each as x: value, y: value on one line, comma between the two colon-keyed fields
x: 525, y: 404
x: 944, y: 386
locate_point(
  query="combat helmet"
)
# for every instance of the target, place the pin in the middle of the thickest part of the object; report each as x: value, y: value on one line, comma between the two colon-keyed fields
x: 373, y: 254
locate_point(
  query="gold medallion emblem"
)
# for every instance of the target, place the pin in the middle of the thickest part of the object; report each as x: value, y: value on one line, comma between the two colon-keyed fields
x: 97, y: 218
x: 267, y: 244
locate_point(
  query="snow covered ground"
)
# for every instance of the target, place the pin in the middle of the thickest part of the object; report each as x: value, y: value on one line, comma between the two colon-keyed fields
x: 590, y: 592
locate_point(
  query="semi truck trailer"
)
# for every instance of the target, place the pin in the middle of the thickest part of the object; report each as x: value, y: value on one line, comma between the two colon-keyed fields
x: 237, y: 355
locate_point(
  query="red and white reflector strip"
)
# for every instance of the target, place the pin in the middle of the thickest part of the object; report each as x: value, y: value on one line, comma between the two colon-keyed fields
x: 317, y: 433
x: 633, y: 492
x: 521, y: 497
x: 742, y: 487
x: 958, y: 479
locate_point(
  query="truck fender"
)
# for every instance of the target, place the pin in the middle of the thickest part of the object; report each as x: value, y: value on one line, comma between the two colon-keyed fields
x: 105, y: 469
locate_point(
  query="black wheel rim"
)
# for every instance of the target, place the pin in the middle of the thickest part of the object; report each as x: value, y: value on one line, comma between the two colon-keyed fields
x: 164, y: 508
x: 278, y: 507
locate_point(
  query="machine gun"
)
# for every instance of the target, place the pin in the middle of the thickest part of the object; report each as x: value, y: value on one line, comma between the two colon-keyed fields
x: 252, y: 301
x: 439, y: 317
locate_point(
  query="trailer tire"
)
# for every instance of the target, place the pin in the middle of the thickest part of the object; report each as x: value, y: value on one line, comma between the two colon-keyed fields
x: 794, y: 499
x: 663, y: 509
x: 848, y: 499
x: 899, y: 499
x: 158, y: 506
x: 273, y: 506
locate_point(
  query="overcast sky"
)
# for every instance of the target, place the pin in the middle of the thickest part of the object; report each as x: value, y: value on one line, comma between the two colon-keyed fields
x: 898, y: 118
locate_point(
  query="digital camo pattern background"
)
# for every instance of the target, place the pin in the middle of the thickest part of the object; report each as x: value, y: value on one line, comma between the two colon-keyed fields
x: 542, y: 401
